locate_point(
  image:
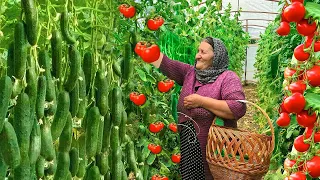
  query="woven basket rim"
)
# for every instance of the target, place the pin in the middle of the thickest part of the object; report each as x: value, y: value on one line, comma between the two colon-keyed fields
x: 240, y: 130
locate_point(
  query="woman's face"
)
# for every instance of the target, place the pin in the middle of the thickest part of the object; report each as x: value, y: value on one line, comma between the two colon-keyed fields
x: 204, y: 56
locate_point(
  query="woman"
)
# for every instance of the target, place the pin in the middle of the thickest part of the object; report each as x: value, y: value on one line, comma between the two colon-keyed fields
x: 209, y: 89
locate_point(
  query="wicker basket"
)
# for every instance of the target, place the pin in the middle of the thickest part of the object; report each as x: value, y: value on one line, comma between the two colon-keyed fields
x: 235, y: 154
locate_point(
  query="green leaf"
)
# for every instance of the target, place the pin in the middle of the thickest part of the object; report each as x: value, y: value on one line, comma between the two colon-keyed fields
x: 164, y: 169
x: 202, y: 10
x: 141, y: 142
x: 313, y: 101
x: 151, y: 158
x: 141, y: 74
x: 145, y: 152
x: 312, y: 10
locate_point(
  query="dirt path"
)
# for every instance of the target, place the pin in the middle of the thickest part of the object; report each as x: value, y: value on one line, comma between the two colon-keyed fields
x: 247, y: 122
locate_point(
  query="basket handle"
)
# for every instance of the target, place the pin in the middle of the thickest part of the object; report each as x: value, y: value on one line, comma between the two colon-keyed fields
x: 266, y: 116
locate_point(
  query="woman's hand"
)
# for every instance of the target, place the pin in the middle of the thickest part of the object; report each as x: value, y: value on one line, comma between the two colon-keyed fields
x: 193, y: 101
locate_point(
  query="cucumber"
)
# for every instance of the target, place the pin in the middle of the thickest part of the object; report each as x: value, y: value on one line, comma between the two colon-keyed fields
x: 65, y: 28
x: 74, y: 161
x: 18, y: 86
x: 20, y: 51
x: 32, y: 85
x: 75, y: 68
x: 123, y: 128
x: 117, y: 169
x: 51, y: 168
x: 23, y: 171
x: 106, y: 133
x: 47, y: 149
x: 92, y: 131
x: 35, y: 143
x: 82, y: 96
x: 65, y: 139
x: 31, y: 14
x: 5, y: 94
x: 69, y: 176
x: 60, y: 117
x: 56, y: 51
x: 23, y: 124
x: 82, y: 156
x: 62, y: 166
x: 93, y: 173
x: 107, y: 176
x: 88, y: 69
x: 117, y: 108
x: 44, y: 62
x: 10, y: 60
x: 100, y: 135
x: 9, y: 146
x: 131, y: 157
x: 117, y: 69
x: 41, y: 97
x: 133, y: 38
x: 115, y: 139
x: 102, y: 162
x: 40, y: 167
x: 102, y: 93
x: 74, y: 99
x: 3, y: 168
x: 126, y: 64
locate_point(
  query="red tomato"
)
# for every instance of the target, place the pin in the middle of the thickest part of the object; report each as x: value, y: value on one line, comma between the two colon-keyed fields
x: 165, y: 86
x: 140, y: 46
x: 308, y: 131
x: 316, y: 137
x: 155, y: 149
x: 176, y: 158
x: 299, y: 53
x: 283, y: 120
x: 294, y: 12
x: 308, y: 41
x: 158, y: 177
x: 306, y: 120
x: 156, y: 127
x: 298, y: 176
x: 313, y: 167
x: 288, y: 72
x: 298, y: 86
x: 306, y: 29
x: 150, y: 54
x: 297, y: 1
x: 313, y: 76
x: 294, y: 103
x: 154, y: 24
x: 127, y: 10
x: 299, y: 145
x: 282, y: 109
x: 173, y: 127
x: 137, y: 99
x: 283, y: 29
x: 317, y: 46
x: 287, y: 164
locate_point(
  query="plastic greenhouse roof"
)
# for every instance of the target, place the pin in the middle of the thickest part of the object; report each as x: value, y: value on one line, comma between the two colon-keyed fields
x: 256, y: 14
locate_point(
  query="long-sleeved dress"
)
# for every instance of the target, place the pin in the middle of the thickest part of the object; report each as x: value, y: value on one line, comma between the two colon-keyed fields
x: 226, y: 87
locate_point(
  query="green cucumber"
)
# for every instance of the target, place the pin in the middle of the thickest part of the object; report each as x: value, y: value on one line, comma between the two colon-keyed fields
x: 116, y: 68
x: 88, y: 69
x: 65, y: 28
x: 23, y: 171
x: 56, y: 50
x: 82, y: 96
x: 123, y: 127
x: 102, y: 93
x: 74, y: 99
x: 40, y: 167
x: 82, y: 156
x: 60, y: 117
x: 126, y: 64
x: 65, y: 139
x: 114, y: 139
x: 3, y: 168
x: 41, y: 97
x: 47, y: 149
x: 51, y: 167
x: 74, y: 161
x: 93, y: 173
x: 106, y: 132
x: 35, y: 143
x: 102, y: 162
x: 30, y: 10
x: 32, y: 85
x: 10, y: 60
x: 5, y: 94
x: 100, y: 135
x: 23, y: 124
x: 20, y: 51
x: 75, y: 68
x: 44, y: 62
x: 92, y: 131
x: 117, y: 108
x: 9, y: 146
x: 117, y: 169
x: 62, y: 166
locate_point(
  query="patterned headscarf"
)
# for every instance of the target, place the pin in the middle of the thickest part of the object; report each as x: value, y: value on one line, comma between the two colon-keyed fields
x: 219, y: 65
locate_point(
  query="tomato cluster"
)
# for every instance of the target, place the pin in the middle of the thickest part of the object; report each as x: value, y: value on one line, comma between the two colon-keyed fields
x: 303, y: 74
